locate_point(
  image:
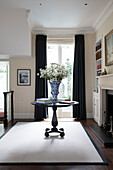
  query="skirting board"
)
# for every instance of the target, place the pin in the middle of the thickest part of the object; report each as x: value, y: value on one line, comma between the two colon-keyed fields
x: 31, y: 115
x: 90, y: 116
x: 23, y: 115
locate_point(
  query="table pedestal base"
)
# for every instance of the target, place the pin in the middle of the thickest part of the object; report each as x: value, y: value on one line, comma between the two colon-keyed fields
x: 60, y: 131
x: 54, y: 124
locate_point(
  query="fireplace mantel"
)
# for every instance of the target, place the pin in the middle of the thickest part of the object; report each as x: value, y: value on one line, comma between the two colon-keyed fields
x: 105, y: 82
x: 105, y: 76
x: 105, y: 87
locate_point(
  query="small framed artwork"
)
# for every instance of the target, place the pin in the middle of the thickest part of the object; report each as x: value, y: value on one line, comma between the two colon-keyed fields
x: 23, y: 77
x: 109, y: 48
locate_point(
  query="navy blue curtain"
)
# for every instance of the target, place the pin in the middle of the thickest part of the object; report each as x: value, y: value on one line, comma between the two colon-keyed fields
x: 79, y: 111
x: 40, y: 83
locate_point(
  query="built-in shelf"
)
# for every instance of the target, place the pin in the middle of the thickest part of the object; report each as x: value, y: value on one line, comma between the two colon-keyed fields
x: 99, y: 70
x: 98, y: 50
x: 99, y: 59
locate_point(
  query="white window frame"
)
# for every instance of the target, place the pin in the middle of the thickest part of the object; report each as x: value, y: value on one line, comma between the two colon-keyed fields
x: 53, y: 42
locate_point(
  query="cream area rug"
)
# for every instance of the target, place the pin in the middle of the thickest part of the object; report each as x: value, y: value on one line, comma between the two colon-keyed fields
x: 25, y: 143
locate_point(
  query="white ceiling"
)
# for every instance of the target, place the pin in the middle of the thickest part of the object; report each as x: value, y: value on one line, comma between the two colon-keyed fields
x: 62, y: 14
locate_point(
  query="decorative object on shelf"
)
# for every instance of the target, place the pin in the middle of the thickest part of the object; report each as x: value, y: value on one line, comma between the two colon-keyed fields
x: 23, y: 77
x: 98, y: 47
x: 99, y: 74
x: 105, y: 72
x: 109, y: 48
x: 99, y: 67
x: 98, y: 55
x: 55, y: 73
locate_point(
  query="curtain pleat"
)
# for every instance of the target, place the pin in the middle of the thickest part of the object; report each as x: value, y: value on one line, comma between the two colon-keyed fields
x: 79, y: 111
x: 40, y: 84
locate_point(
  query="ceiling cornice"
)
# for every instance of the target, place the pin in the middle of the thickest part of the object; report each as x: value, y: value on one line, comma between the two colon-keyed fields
x: 63, y: 31
x: 104, y: 15
x: 81, y: 30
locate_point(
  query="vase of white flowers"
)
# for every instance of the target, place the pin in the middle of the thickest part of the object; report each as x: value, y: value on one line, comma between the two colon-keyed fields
x: 55, y: 73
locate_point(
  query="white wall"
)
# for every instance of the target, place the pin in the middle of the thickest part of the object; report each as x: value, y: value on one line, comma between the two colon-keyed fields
x: 89, y: 72
x: 23, y: 95
x: 15, y: 36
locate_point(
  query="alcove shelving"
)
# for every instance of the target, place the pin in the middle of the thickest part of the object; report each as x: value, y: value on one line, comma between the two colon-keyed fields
x: 98, y: 62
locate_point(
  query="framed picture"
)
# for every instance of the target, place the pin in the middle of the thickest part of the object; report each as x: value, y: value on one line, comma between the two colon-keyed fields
x: 23, y: 77
x: 109, y: 48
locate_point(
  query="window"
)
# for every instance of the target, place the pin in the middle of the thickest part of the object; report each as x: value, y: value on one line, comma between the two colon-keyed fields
x: 62, y: 54
x: 4, y: 81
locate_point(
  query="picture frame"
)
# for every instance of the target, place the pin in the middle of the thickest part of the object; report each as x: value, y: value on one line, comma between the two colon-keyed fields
x: 23, y: 77
x: 109, y: 48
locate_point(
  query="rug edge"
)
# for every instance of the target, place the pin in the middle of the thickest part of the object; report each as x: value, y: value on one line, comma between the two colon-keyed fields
x: 96, y: 147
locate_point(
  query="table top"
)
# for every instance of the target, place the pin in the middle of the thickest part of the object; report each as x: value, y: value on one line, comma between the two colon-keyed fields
x: 58, y: 104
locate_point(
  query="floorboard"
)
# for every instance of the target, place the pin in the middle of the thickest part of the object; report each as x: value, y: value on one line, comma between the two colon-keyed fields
x: 107, y: 152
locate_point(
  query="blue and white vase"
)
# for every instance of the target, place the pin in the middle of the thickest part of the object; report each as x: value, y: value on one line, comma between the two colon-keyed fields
x: 55, y: 90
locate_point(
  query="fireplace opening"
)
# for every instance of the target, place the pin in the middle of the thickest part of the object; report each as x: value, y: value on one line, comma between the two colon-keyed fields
x: 108, y: 124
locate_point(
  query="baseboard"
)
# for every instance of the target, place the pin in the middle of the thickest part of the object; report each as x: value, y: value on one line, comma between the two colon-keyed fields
x: 90, y: 115
x: 23, y: 115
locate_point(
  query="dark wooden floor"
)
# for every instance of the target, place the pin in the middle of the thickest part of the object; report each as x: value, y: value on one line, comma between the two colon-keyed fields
x: 107, y: 152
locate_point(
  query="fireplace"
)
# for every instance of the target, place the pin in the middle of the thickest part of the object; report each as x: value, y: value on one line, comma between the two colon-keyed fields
x: 104, y: 129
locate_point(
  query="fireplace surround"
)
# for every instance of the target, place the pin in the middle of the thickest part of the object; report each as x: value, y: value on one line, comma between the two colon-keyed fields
x: 105, y: 89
